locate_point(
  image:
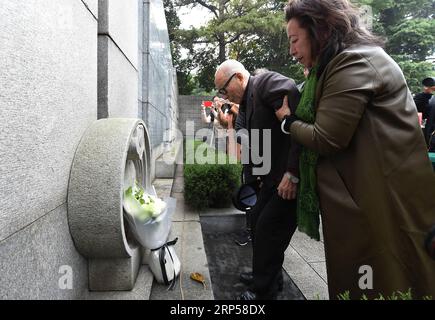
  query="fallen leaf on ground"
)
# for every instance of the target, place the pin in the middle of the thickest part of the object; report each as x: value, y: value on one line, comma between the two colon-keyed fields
x: 198, y: 277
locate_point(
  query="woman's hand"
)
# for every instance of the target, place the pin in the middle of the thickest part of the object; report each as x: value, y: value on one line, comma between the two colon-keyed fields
x: 287, y: 189
x: 284, y: 110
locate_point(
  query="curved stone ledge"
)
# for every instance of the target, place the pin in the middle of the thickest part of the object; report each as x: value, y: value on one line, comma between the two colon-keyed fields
x: 97, y: 182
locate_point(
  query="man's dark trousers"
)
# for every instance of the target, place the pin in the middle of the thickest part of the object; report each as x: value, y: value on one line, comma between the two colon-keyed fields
x: 273, y: 222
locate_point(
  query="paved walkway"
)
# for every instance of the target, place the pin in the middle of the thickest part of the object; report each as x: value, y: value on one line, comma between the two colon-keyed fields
x: 304, y: 259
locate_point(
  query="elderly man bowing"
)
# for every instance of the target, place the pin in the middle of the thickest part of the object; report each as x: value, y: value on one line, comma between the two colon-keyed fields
x: 274, y: 214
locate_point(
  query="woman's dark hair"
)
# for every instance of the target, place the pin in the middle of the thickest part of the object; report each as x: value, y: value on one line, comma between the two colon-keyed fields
x: 332, y: 25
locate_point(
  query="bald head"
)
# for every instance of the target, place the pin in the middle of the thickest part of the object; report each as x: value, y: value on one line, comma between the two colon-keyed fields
x: 228, y: 67
x: 231, y: 79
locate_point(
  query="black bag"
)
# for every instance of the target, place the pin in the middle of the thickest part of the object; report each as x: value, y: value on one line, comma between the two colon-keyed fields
x: 165, y: 264
x: 245, y: 197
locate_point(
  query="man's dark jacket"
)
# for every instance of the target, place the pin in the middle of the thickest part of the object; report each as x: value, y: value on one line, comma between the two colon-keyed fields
x: 263, y: 96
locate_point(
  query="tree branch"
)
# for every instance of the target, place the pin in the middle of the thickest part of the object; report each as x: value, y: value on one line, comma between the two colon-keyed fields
x: 210, y: 7
x: 235, y: 38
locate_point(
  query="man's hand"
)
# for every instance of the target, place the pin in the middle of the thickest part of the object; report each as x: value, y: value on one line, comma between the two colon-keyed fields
x: 287, y: 189
x: 235, y: 109
x: 284, y: 110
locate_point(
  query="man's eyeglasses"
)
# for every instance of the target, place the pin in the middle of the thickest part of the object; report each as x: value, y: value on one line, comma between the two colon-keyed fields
x: 223, y: 90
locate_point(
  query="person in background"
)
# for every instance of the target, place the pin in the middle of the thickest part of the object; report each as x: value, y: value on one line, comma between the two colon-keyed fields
x: 430, y: 126
x: 421, y: 99
x: 364, y: 159
x: 218, y: 137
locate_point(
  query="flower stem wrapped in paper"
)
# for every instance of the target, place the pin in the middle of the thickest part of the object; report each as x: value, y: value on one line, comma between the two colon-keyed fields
x: 147, y: 216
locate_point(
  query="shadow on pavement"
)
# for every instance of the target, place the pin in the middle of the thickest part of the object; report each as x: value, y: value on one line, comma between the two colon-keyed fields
x: 226, y: 259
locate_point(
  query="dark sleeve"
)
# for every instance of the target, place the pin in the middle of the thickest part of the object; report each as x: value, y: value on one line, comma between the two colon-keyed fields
x: 430, y: 123
x: 273, y: 87
x: 421, y: 100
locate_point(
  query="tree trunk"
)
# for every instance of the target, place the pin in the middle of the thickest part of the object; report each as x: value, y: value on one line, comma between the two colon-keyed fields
x: 222, y: 56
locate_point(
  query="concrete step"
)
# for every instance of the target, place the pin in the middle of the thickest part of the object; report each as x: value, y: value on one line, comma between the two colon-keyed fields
x: 141, y: 291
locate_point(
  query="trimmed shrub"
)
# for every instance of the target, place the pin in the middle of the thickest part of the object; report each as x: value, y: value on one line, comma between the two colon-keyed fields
x: 210, y: 185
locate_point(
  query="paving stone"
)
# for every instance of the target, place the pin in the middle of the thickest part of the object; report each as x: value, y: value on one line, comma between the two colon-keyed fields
x: 311, y: 250
x: 190, y: 250
x: 163, y: 187
x: 304, y: 276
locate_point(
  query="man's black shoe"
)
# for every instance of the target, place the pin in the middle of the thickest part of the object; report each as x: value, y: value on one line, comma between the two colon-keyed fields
x: 247, y: 278
x: 247, y: 295
x: 244, y: 238
x: 251, y: 295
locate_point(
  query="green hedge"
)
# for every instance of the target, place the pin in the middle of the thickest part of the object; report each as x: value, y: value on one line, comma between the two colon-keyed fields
x: 210, y: 185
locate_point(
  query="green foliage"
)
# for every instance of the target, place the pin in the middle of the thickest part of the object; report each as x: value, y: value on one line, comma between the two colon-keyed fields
x: 408, y: 28
x: 210, y: 185
x: 414, y: 71
x: 252, y: 31
x: 397, y: 295
x: 414, y: 38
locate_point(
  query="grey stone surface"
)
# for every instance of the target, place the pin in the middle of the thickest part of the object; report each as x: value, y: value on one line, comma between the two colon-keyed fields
x: 183, y: 212
x: 117, y: 82
x: 304, y: 276
x: 141, y: 290
x: 191, y: 252
x: 48, y: 96
x: 159, y: 88
x: 31, y: 261
x: 115, y: 274
x: 190, y: 110
x: 96, y: 188
x: 156, y: 152
x: 320, y: 268
x: 164, y: 169
x: 118, y: 19
x: 163, y: 187
x: 311, y: 250
x: 166, y: 164
x: 179, y: 171
x: 220, y: 211
x: 92, y: 6
x: 141, y: 41
x: 178, y: 185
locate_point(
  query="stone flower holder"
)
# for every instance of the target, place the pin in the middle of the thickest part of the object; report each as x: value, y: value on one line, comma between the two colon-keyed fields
x: 112, y: 154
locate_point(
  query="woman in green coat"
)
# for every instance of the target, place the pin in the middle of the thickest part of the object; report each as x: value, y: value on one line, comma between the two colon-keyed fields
x: 364, y: 166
